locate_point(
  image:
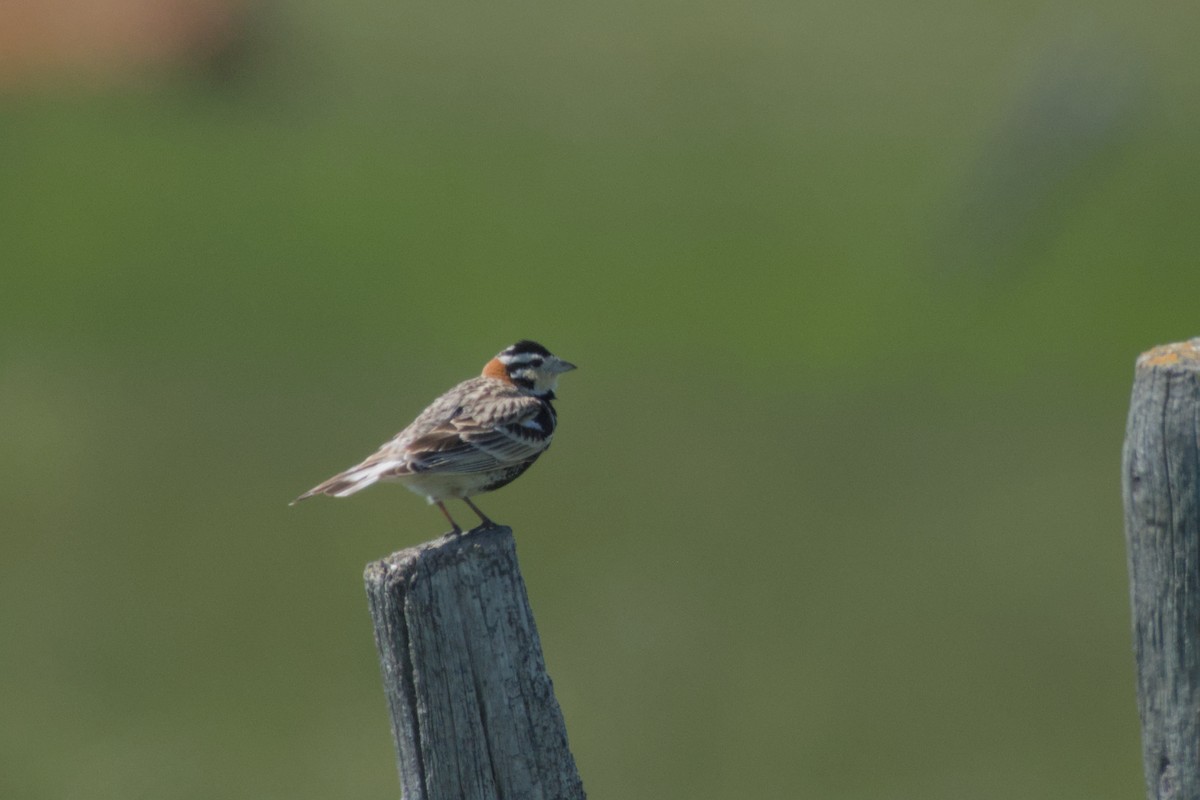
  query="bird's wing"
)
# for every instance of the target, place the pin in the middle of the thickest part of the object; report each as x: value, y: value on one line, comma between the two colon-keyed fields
x: 511, y: 432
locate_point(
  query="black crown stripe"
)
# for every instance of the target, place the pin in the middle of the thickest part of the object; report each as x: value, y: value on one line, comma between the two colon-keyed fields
x: 527, y: 347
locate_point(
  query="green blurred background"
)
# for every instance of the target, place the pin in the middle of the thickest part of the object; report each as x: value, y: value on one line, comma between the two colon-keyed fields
x: 834, y: 509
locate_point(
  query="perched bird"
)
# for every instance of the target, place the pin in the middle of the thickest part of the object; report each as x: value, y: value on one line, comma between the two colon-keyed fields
x: 476, y: 437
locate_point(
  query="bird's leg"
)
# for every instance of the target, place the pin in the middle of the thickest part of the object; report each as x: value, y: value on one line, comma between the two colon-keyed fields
x: 454, y: 529
x: 487, y: 523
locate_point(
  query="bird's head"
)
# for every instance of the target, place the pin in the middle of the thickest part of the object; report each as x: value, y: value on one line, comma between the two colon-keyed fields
x: 530, y: 366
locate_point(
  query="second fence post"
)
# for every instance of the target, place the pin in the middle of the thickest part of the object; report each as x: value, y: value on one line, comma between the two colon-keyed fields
x: 1161, y: 487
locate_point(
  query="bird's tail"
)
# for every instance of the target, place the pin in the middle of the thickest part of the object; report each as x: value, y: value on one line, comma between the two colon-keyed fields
x: 352, y: 480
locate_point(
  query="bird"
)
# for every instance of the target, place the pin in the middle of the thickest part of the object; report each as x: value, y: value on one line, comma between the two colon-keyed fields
x: 475, y: 438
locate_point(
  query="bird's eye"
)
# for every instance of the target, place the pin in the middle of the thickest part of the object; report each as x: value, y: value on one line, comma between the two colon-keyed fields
x: 535, y: 362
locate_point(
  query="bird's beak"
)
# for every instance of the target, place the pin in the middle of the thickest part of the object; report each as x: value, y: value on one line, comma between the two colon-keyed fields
x: 563, y: 366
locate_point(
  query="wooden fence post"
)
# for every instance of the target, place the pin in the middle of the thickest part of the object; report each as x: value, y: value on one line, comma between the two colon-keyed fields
x: 473, y: 710
x: 1161, y: 487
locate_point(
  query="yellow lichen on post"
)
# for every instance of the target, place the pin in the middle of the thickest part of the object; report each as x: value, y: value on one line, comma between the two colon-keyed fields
x: 1180, y: 354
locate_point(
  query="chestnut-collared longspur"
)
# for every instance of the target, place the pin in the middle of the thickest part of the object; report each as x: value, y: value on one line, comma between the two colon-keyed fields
x: 476, y: 437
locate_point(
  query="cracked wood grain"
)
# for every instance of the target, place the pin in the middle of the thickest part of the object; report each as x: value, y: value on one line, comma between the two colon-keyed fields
x: 473, y: 711
x: 1161, y: 488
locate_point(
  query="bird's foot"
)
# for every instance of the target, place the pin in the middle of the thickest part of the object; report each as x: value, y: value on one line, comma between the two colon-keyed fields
x: 485, y: 522
x: 454, y: 529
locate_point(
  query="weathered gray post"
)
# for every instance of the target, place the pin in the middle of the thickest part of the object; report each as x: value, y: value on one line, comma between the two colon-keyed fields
x: 1161, y: 484
x: 473, y: 710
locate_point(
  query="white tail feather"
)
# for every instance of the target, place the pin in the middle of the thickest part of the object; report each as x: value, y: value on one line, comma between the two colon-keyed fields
x: 352, y: 480
x: 356, y: 480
